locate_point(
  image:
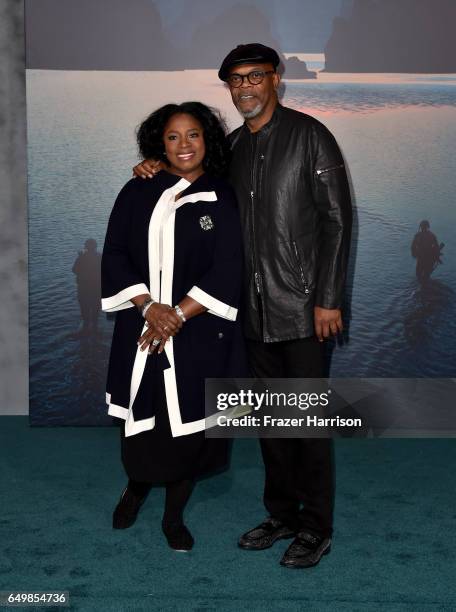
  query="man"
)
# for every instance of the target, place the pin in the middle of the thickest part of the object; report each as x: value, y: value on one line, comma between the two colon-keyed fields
x: 427, y: 251
x: 87, y: 269
x: 294, y: 203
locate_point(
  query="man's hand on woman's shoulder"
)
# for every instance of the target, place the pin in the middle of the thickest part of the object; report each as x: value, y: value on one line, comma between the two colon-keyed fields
x: 148, y: 168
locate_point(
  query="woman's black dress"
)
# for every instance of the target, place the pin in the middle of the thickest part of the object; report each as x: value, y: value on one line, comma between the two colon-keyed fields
x: 154, y: 456
x: 161, y: 397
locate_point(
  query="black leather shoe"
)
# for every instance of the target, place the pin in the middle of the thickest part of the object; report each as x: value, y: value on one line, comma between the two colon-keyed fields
x: 127, y: 510
x: 306, y: 550
x: 265, y: 535
x: 179, y: 537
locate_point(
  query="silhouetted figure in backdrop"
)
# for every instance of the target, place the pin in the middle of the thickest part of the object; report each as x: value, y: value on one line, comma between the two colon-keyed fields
x: 427, y: 252
x: 87, y: 268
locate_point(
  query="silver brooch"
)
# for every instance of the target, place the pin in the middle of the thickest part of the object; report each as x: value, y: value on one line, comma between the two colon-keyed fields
x: 206, y: 222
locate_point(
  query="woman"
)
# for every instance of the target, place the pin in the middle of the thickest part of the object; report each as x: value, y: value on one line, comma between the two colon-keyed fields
x: 171, y: 269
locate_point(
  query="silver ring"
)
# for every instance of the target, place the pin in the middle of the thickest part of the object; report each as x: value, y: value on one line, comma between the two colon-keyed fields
x: 155, y: 342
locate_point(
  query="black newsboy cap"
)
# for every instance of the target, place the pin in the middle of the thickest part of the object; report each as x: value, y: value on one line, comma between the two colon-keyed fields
x: 252, y: 53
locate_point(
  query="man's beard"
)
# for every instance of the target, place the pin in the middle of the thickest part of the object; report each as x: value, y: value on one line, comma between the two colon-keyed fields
x: 252, y: 113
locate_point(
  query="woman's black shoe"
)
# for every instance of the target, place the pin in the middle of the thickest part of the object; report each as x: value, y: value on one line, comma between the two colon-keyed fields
x: 127, y: 510
x: 179, y: 537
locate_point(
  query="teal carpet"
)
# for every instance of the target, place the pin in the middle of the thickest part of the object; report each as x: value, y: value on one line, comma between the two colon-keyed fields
x: 394, y: 546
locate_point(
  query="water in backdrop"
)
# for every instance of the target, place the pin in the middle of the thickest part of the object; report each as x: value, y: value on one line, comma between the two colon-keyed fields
x: 397, y: 133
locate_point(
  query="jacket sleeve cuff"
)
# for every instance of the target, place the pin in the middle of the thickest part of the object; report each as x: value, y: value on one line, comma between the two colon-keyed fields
x: 325, y: 302
x: 121, y: 300
x: 214, y: 306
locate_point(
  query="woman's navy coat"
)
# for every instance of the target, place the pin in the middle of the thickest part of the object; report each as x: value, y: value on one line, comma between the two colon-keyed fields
x: 202, y: 257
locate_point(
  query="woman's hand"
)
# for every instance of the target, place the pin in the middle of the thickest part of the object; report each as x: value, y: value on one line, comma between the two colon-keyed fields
x: 165, y: 319
x: 152, y: 340
x: 163, y: 322
x: 148, y: 168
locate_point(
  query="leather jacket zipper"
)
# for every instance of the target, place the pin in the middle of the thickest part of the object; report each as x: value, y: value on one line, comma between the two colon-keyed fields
x: 256, y: 274
x: 323, y: 170
x: 301, y: 271
x: 260, y: 174
x: 253, y: 151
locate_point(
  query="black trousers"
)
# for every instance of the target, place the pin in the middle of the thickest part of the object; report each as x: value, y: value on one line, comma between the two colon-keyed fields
x: 299, y: 472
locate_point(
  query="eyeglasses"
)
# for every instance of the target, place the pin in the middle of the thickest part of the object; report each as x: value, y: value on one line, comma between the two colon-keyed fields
x: 254, y: 78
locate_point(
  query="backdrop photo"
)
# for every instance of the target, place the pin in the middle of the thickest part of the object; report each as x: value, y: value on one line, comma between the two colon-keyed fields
x: 381, y: 74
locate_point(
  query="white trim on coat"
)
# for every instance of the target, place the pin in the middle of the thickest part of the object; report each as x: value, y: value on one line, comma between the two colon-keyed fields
x: 163, y: 294
x: 117, y: 411
x: 133, y: 427
x: 214, y: 306
x: 202, y: 196
x: 121, y: 300
x: 178, y: 428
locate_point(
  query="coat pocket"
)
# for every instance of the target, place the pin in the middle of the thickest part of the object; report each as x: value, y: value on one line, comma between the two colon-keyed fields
x: 300, y: 268
x: 323, y: 170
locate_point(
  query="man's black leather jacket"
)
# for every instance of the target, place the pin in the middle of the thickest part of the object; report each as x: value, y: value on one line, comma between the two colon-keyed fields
x: 295, y: 208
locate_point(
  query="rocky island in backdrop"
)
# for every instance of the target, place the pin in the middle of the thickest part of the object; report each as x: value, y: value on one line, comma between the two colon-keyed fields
x: 114, y: 35
x: 414, y: 36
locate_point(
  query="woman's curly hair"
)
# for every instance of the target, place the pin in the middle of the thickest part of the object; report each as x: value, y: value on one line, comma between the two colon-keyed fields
x: 150, y: 135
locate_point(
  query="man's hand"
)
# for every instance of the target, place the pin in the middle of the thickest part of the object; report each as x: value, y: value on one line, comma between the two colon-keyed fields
x: 327, y: 322
x: 148, y: 168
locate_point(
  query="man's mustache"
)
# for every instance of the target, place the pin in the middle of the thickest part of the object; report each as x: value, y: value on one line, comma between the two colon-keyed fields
x: 244, y: 95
